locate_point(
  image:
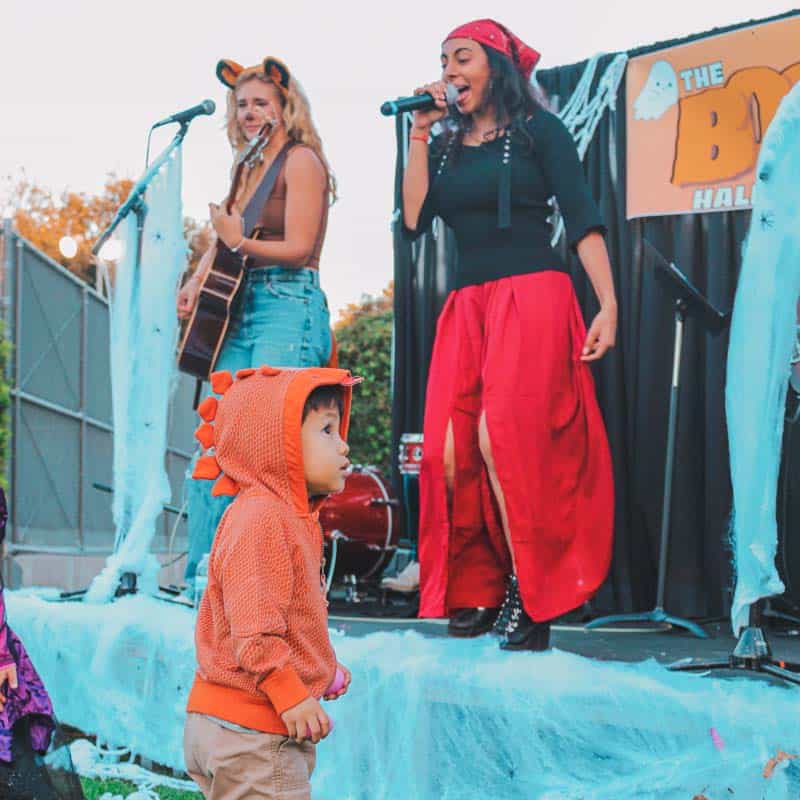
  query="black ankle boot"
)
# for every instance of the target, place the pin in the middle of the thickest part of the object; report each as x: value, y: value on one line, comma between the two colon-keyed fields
x: 521, y: 632
x: 529, y: 635
x: 469, y: 622
x: 511, y: 599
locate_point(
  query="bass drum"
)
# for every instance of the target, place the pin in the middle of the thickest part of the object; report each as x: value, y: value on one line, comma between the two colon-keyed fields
x: 361, y: 525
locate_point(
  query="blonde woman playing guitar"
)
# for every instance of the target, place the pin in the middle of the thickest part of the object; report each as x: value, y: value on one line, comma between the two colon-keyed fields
x: 280, y: 314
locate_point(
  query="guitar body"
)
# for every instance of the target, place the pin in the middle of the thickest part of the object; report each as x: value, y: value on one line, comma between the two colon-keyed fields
x: 209, y: 322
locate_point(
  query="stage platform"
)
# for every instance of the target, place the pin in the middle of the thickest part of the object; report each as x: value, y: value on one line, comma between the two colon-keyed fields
x: 432, y: 718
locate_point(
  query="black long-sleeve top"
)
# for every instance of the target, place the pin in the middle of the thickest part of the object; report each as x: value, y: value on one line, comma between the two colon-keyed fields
x: 465, y: 195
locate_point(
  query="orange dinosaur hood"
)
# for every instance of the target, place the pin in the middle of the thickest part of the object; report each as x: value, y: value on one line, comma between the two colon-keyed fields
x: 255, y: 426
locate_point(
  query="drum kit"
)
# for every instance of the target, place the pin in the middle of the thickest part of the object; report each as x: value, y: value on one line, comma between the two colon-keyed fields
x: 362, y: 524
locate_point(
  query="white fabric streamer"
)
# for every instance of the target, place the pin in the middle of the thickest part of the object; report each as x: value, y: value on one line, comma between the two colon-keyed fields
x: 143, y: 335
x: 759, y: 356
x: 92, y: 761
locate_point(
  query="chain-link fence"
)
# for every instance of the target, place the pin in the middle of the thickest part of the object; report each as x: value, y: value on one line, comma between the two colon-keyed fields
x: 60, y: 456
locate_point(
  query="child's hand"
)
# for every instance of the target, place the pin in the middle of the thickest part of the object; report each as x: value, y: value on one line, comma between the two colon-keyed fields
x: 9, y: 674
x: 343, y: 689
x: 307, y: 720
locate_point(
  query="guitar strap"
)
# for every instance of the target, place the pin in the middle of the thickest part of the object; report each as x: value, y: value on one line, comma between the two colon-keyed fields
x: 264, y: 190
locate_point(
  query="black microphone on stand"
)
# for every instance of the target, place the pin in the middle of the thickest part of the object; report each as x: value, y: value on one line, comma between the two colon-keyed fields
x: 417, y: 102
x: 206, y: 107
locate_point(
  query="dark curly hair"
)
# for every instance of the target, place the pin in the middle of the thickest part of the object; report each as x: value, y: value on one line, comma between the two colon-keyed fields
x: 514, y: 100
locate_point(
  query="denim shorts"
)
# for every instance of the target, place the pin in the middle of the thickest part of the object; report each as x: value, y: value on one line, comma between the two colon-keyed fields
x: 281, y: 318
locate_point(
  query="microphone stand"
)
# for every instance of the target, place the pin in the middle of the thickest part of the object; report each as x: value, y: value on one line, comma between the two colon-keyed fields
x: 752, y: 652
x: 135, y: 201
x: 687, y: 300
x: 136, y: 204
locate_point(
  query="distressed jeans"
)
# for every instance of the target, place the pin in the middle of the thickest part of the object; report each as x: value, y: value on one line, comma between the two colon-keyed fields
x: 281, y: 319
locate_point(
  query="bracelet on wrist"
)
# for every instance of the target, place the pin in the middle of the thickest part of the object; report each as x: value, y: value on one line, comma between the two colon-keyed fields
x: 419, y: 138
x: 238, y: 246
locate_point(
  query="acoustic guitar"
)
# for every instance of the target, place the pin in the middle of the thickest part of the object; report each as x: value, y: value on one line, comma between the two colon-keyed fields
x: 209, y: 322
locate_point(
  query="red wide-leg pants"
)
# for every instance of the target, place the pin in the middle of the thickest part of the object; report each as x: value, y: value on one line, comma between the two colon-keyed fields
x: 511, y: 348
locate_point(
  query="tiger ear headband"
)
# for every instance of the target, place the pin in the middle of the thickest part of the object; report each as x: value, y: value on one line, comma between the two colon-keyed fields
x: 278, y: 73
x: 229, y: 71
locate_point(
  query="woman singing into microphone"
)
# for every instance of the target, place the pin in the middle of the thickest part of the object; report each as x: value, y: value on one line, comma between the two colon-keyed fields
x: 516, y: 484
x: 282, y: 315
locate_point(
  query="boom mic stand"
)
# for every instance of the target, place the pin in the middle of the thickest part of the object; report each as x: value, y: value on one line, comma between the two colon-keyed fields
x: 136, y: 204
x: 688, y: 301
x: 752, y: 652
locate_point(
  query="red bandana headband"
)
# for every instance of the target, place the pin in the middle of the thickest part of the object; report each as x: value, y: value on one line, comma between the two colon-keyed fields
x: 492, y: 34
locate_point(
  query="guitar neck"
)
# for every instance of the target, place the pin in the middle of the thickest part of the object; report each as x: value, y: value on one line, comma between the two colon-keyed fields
x: 237, y: 177
x: 248, y: 159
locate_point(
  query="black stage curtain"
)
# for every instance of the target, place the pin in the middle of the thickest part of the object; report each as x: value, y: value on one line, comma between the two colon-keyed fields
x: 633, y: 382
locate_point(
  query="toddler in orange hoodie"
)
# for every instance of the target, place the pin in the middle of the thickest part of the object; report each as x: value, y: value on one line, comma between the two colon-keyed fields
x: 263, y: 652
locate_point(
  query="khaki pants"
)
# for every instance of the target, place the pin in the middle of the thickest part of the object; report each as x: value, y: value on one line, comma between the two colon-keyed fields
x: 228, y: 765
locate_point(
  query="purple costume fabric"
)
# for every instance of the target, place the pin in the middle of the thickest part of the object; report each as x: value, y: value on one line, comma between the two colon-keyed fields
x: 29, y: 698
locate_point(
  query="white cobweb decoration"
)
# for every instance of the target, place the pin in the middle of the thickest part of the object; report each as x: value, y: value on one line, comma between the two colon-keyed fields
x: 583, y: 111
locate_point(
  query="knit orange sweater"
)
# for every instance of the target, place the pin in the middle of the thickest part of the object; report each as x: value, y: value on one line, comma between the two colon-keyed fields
x: 262, y: 637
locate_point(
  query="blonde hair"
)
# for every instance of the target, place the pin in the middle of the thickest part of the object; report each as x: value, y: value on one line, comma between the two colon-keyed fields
x: 296, y: 119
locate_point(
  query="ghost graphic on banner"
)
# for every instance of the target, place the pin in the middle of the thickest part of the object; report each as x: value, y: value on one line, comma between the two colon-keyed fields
x: 659, y: 94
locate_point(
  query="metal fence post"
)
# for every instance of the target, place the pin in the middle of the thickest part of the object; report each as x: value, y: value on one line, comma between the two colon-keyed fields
x: 17, y: 417
x: 84, y: 412
x: 6, y: 249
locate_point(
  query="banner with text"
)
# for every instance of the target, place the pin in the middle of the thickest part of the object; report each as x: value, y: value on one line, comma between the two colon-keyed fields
x: 697, y: 114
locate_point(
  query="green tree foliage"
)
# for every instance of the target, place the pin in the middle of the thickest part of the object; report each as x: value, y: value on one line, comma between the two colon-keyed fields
x: 364, y: 339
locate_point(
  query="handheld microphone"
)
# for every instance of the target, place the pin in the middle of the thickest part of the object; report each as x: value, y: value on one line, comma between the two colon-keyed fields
x: 182, y: 117
x: 417, y: 102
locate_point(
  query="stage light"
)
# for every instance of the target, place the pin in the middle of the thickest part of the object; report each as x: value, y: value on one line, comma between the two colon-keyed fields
x: 112, y: 250
x: 68, y: 246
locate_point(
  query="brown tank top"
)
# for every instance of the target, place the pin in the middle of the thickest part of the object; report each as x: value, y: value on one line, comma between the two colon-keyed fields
x: 271, y: 225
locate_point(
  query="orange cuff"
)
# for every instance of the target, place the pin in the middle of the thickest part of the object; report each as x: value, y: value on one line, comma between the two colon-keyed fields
x: 284, y: 689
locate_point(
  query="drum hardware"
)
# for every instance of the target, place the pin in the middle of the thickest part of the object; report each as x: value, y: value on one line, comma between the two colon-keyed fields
x: 361, y: 527
x: 351, y: 594
x: 335, y: 536
x: 409, y: 465
x: 410, y: 454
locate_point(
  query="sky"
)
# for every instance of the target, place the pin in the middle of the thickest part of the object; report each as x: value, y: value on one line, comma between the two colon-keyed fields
x: 86, y: 79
